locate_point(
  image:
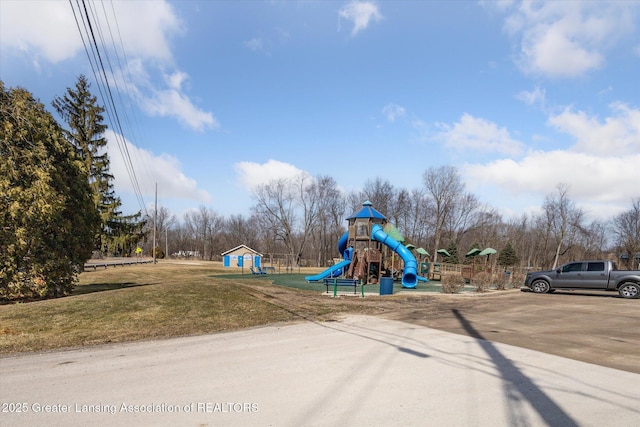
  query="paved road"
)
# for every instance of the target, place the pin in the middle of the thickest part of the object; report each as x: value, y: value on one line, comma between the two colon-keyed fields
x: 361, y: 371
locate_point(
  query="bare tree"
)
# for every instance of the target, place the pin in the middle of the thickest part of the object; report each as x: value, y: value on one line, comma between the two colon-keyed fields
x: 289, y: 209
x: 164, y: 222
x: 410, y: 217
x: 464, y: 216
x: 563, y: 221
x: 204, y: 226
x: 526, y: 241
x: 382, y: 195
x: 444, y: 186
x: 626, y: 228
x: 238, y: 231
x: 330, y: 215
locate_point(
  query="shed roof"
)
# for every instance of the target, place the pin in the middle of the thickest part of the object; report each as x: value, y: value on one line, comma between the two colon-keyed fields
x: 245, y: 247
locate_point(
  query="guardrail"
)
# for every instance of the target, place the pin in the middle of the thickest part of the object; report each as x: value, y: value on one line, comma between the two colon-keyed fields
x: 114, y: 263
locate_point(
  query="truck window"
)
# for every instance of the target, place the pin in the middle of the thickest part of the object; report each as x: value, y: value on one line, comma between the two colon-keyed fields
x: 574, y: 266
x: 595, y: 266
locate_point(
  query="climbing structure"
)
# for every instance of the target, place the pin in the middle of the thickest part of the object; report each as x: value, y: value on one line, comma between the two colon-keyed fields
x: 364, y: 247
x: 366, y: 261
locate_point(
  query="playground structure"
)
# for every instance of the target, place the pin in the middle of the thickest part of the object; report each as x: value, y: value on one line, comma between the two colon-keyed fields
x: 364, y: 248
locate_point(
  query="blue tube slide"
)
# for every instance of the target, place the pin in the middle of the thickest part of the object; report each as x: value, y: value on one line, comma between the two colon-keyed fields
x: 335, y: 270
x: 342, y: 244
x: 410, y: 274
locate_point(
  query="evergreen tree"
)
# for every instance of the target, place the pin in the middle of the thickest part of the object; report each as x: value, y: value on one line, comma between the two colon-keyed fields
x: 80, y: 110
x: 47, y: 215
x: 452, y: 249
x: 508, y: 256
x: 130, y: 230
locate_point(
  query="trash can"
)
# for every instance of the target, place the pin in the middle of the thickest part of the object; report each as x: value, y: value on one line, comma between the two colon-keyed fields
x: 386, y: 286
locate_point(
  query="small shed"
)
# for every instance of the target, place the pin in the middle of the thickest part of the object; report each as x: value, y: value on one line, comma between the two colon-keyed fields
x: 241, y: 256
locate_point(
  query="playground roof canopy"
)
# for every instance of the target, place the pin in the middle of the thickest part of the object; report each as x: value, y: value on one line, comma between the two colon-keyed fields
x: 473, y: 252
x: 488, y: 251
x: 443, y: 252
x: 367, y: 211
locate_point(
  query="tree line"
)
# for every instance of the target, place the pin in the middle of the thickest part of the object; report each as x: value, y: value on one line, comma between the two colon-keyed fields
x: 299, y: 221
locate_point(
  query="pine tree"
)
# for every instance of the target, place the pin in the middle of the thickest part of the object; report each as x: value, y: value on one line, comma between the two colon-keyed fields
x: 508, y: 256
x: 47, y: 214
x: 452, y: 249
x: 80, y: 110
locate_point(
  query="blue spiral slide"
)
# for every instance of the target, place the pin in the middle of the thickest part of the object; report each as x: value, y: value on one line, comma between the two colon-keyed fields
x: 410, y: 273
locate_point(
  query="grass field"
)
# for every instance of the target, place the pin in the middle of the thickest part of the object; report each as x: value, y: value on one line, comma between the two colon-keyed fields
x: 149, y: 301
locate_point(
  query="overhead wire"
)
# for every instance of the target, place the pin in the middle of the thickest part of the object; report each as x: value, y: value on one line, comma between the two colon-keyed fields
x: 130, y: 119
x: 104, y: 87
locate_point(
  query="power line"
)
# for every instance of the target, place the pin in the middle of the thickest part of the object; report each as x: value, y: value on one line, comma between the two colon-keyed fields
x: 104, y: 87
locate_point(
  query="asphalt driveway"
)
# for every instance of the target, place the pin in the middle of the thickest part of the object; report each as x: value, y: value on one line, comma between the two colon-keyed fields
x: 358, y: 371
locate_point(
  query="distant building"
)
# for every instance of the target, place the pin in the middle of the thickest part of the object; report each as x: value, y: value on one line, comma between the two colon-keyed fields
x: 241, y: 256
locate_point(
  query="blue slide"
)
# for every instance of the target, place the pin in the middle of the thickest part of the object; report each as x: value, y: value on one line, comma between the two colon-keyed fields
x: 410, y: 274
x: 335, y: 270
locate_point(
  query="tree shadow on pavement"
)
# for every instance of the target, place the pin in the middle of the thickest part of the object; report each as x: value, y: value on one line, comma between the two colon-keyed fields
x: 518, y: 386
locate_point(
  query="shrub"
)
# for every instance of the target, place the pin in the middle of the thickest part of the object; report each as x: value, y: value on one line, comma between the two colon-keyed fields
x: 501, y: 281
x: 452, y: 284
x: 159, y: 252
x: 482, y: 281
x: 517, y: 279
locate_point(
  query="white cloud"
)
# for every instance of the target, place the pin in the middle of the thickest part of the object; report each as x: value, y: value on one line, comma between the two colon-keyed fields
x: 618, y: 134
x: 567, y: 39
x: 251, y: 174
x: 165, y: 170
x: 258, y: 44
x: 600, y: 168
x: 44, y: 29
x: 47, y: 30
x: 393, y: 111
x: 360, y: 13
x: 535, y: 97
x: 602, y: 185
x: 478, y: 134
x: 172, y: 102
x: 150, y: 40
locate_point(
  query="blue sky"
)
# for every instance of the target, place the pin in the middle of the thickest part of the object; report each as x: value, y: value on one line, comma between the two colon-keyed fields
x: 225, y: 95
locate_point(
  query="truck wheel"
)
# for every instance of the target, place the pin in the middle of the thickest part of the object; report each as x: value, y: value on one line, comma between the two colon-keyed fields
x: 540, y: 286
x: 629, y: 290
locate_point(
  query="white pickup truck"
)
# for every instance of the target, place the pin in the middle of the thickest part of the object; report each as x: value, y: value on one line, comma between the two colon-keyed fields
x: 594, y: 275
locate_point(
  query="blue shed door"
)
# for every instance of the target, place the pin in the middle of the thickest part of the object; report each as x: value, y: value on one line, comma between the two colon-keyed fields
x: 225, y: 261
x: 256, y: 261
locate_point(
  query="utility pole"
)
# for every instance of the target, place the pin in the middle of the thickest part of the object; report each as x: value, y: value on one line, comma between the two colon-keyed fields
x: 155, y: 216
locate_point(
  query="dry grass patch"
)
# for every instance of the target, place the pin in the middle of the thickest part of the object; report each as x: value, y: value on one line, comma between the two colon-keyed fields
x: 134, y: 303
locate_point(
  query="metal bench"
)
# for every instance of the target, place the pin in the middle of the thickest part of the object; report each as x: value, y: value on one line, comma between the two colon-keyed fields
x: 335, y: 282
